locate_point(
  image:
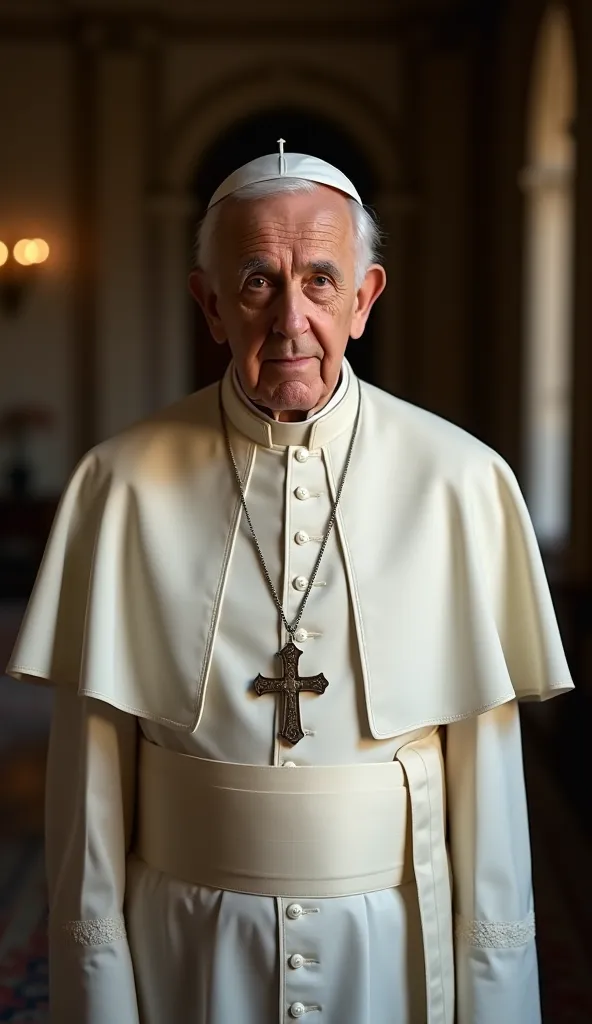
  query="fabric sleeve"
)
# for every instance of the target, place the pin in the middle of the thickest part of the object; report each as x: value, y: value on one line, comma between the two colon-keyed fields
x: 89, y: 812
x: 495, y: 952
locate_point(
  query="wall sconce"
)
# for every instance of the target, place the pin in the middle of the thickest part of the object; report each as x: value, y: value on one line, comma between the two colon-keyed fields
x: 19, y: 267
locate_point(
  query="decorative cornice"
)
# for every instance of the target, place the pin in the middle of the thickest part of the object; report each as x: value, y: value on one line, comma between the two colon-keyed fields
x: 128, y: 29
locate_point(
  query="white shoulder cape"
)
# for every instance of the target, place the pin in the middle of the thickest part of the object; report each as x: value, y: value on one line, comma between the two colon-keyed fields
x: 450, y: 599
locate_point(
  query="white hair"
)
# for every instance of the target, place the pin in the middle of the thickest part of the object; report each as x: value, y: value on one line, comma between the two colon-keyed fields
x: 366, y: 230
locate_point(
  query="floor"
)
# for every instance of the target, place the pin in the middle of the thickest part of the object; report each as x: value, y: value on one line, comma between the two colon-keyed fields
x: 561, y: 842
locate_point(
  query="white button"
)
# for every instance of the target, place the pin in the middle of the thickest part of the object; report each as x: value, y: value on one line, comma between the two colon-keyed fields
x: 302, y: 537
x: 301, y: 635
x: 301, y: 454
x: 300, y: 583
x: 294, y: 911
x: 296, y: 961
x: 297, y: 1009
x: 302, y: 493
x: 289, y: 764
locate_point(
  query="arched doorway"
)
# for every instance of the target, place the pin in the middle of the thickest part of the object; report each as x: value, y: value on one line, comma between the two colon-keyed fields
x: 251, y: 137
x: 548, y: 182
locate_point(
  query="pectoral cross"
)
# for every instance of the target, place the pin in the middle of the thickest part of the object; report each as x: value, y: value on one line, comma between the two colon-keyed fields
x: 291, y: 685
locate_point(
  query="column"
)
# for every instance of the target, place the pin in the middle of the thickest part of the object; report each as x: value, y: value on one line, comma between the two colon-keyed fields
x: 121, y: 321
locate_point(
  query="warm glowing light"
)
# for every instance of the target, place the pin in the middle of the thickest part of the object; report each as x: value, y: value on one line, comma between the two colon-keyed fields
x: 31, y: 252
x: 3, y: 253
x: 36, y: 251
x: 20, y: 252
x: 42, y: 250
x: 28, y: 251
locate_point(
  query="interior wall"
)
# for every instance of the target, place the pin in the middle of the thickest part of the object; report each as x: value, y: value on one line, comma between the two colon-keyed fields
x: 438, y: 242
x: 105, y: 132
x: 580, y: 553
x: 36, y: 201
x: 500, y: 381
x: 104, y: 126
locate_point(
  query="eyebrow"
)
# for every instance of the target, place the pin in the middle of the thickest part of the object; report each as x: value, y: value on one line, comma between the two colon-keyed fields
x: 327, y: 267
x: 256, y: 263
x: 259, y: 264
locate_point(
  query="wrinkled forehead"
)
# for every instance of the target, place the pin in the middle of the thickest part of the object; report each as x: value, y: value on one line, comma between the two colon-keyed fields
x: 297, y: 226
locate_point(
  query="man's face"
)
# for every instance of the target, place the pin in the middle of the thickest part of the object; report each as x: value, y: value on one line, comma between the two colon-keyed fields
x: 282, y: 293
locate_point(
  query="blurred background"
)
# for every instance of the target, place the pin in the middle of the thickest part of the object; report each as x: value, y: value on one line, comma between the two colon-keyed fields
x: 467, y: 126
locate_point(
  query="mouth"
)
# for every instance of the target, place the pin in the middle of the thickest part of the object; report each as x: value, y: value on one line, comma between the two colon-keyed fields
x: 293, y: 362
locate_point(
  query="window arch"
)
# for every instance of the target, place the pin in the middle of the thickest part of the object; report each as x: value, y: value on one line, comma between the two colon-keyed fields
x: 548, y: 182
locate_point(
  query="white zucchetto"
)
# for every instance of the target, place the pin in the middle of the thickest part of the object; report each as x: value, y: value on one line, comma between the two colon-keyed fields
x: 285, y: 165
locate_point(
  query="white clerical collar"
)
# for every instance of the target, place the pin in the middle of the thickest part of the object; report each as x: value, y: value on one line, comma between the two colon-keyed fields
x: 319, y: 429
x: 336, y: 397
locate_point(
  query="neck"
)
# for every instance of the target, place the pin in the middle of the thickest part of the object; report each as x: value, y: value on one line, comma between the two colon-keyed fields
x: 259, y: 426
x: 294, y: 415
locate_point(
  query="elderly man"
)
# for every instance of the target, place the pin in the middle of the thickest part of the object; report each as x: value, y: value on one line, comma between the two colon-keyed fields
x: 288, y: 620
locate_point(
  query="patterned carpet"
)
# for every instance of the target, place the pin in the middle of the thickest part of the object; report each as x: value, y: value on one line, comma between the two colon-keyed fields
x: 23, y: 943
x: 561, y: 860
x: 24, y: 720
x: 23, y: 984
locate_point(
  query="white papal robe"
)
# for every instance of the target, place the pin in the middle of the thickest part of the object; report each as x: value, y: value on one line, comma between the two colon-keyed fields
x: 430, y: 614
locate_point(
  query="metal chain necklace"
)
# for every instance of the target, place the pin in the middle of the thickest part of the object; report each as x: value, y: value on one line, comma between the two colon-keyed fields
x: 291, y: 684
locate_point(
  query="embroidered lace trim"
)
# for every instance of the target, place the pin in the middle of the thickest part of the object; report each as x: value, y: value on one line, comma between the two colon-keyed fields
x: 495, y: 934
x: 97, y: 932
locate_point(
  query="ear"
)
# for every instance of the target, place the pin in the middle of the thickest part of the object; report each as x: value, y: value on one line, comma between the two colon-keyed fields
x: 203, y: 292
x: 372, y: 286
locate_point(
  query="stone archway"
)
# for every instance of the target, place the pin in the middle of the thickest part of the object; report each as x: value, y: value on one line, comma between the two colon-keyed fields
x: 306, y: 87
x: 548, y: 185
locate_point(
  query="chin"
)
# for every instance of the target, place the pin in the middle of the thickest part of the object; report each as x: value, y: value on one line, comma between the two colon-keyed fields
x: 294, y: 395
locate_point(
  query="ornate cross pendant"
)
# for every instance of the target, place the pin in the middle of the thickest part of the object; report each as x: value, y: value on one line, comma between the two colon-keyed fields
x: 290, y: 685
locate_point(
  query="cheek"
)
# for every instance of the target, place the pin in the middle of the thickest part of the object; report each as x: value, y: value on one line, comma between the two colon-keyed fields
x: 337, y: 310
x: 253, y: 327
x: 247, y: 337
x: 240, y: 321
x: 332, y: 330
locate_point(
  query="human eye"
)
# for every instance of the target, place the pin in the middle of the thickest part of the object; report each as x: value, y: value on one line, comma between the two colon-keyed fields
x: 320, y: 281
x: 256, y: 283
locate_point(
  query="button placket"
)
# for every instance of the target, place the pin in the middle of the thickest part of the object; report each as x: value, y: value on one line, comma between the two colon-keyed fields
x: 309, y: 514
x: 303, y: 983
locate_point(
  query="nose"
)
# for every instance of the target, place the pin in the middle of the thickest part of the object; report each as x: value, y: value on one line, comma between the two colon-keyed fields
x: 290, y: 319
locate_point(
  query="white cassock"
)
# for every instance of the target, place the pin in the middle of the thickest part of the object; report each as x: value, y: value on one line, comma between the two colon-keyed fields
x: 377, y: 872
